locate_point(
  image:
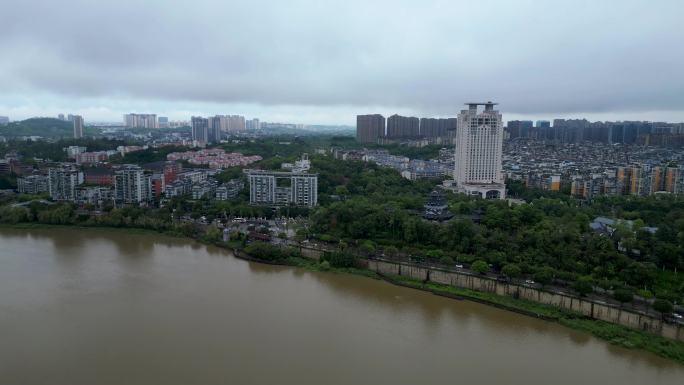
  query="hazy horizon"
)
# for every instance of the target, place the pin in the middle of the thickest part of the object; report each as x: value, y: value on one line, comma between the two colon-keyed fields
x: 323, y: 63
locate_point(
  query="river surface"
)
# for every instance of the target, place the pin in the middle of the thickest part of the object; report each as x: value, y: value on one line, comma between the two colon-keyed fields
x: 90, y: 307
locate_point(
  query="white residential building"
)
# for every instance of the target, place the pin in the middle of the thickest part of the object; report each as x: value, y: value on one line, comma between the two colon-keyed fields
x: 141, y: 120
x: 132, y: 185
x: 62, y: 183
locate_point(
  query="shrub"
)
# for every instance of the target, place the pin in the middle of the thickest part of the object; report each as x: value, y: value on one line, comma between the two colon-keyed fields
x: 368, y: 247
x: 623, y: 295
x: 325, y: 265
x: 446, y: 260
x: 662, y: 305
x: 340, y: 259
x: 583, y: 286
x: 266, y: 251
x: 391, y: 251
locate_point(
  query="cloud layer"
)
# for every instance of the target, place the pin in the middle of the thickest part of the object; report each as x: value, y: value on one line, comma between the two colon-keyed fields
x: 534, y: 57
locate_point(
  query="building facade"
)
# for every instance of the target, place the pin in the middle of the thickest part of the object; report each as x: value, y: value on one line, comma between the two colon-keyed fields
x: 33, y: 184
x: 200, y: 129
x: 402, y: 127
x: 132, y: 185
x: 253, y: 124
x: 369, y: 128
x: 229, y: 190
x: 479, y: 148
x: 62, y: 183
x: 278, y: 188
x: 140, y: 121
x: 78, y: 126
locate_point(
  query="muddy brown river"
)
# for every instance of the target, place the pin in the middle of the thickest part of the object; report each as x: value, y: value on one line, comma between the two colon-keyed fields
x: 88, y: 307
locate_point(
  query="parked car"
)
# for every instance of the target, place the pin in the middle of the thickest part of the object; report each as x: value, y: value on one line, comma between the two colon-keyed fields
x: 529, y: 282
x: 459, y: 266
x: 677, y: 316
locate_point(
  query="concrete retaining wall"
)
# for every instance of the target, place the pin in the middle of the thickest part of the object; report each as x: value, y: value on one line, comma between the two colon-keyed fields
x: 309, y: 252
x: 599, y: 311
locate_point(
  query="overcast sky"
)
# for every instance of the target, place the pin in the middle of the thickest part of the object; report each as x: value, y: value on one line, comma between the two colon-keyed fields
x: 326, y: 61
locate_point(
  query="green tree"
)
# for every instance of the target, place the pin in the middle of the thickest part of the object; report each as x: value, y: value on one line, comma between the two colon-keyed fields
x: 511, y: 270
x: 391, y: 251
x: 266, y: 251
x: 212, y: 235
x: 544, y: 275
x: 479, y: 267
x: 583, y: 286
x: 623, y: 295
x: 368, y: 247
x: 13, y: 214
x: 446, y: 260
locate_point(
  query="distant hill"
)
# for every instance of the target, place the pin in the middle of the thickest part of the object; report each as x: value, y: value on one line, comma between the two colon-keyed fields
x: 47, y: 127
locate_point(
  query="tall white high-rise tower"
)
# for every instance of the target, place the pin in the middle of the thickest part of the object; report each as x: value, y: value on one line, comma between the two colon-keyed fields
x: 479, y: 142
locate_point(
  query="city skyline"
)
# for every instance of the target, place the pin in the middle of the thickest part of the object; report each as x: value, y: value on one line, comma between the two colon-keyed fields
x: 285, y: 72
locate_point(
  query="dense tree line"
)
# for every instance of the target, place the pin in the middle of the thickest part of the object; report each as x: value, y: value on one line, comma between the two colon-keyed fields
x: 548, y: 239
x: 54, y: 151
x: 46, y: 127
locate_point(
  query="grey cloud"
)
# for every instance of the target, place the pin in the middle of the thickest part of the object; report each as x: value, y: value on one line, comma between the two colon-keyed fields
x: 532, y: 56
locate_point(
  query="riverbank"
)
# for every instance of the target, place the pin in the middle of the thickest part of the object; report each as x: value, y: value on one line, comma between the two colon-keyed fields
x: 615, y: 334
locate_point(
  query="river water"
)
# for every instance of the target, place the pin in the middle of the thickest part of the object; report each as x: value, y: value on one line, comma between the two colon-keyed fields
x: 87, y: 307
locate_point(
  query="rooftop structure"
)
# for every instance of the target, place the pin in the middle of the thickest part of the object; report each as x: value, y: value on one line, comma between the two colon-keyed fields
x: 436, y: 208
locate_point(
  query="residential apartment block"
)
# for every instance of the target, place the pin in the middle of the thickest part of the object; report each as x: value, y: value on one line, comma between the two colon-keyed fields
x: 279, y: 188
x: 132, y: 185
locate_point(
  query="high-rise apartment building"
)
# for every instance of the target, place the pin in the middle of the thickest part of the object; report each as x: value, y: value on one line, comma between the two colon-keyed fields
x: 227, y: 123
x: 253, y: 124
x: 61, y: 117
x: 665, y: 179
x: 78, y: 126
x: 521, y: 129
x: 479, y: 143
x: 163, y: 122
x: 236, y: 123
x: 214, y: 129
x: 369, y: 128
x: 437, y: 128
x: 140, y: 121
x: 200, y: 129
x: 402, y: 127
x: 629, y: 180
x: 132, y: 185
x: 62, y: 182
x: 278, y: 188
x: 4, y: 120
